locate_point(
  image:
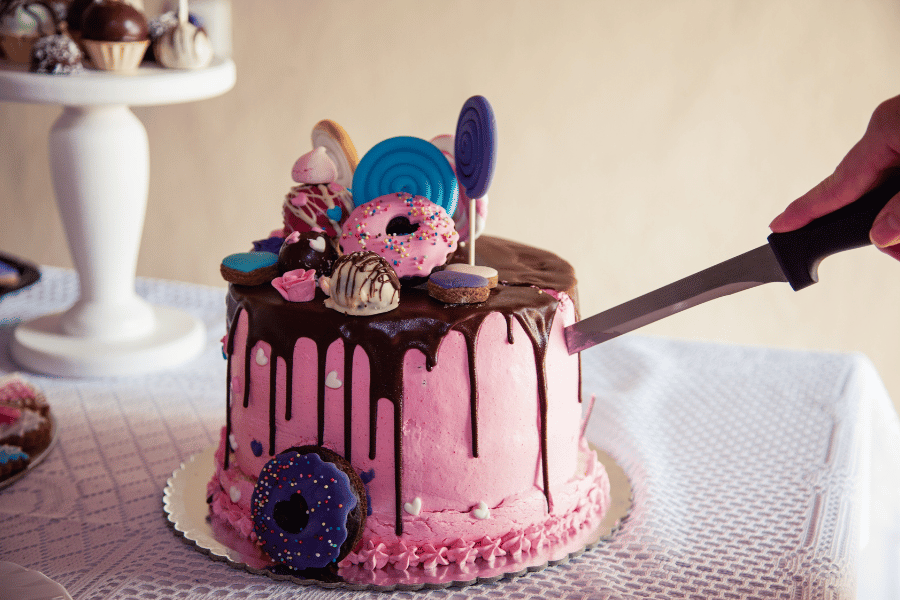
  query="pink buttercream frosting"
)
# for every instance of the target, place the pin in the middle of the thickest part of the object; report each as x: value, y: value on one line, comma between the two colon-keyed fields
x: 445, y: 530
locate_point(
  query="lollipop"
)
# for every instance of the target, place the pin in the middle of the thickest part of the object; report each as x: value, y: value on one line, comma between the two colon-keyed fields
x: 406, y: 164
x: 340, y: 149
x: 445, y: 144
x: 474, y: 150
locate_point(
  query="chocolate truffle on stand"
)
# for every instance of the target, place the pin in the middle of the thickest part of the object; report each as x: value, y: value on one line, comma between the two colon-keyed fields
x: 115, y: 35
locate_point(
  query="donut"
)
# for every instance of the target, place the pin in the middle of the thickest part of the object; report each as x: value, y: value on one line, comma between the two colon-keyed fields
x: 308, y: 508
x: 413, y: 234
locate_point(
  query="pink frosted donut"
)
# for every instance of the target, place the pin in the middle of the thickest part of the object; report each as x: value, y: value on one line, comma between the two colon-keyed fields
x: 412, y: 233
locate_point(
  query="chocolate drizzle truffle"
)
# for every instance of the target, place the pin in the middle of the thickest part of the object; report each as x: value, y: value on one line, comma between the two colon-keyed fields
x: 418, y: 322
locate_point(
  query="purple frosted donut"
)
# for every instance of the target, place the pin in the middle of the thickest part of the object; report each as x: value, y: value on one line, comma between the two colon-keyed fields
x: 308, y: 508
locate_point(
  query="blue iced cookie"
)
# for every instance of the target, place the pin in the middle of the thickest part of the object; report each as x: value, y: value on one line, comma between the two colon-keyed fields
x: 456, y: 287
x: 250, y: 268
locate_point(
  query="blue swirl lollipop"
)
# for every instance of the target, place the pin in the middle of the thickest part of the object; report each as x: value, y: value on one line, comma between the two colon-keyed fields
x: 406, y: 164
x: 475, y: 146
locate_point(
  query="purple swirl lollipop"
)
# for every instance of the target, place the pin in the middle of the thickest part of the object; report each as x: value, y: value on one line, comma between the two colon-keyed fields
x: 475, y: 147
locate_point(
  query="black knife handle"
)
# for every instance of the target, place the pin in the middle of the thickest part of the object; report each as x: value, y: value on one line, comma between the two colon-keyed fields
x: 799, y: 252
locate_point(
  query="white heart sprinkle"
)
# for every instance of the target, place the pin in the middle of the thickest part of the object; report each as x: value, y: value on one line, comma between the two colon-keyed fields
x: 414, y: 507
x: 317, y: 244
x: 261, y: 358
x: 232, y: 441
x: 482, y: 511
x: 332, y: 380
x: 235, y: 494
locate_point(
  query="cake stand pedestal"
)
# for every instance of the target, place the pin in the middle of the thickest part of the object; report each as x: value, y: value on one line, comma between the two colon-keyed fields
x: 100, y: 163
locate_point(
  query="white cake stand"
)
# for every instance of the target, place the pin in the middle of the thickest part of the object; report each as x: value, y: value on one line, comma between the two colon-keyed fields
x: 100, y: 162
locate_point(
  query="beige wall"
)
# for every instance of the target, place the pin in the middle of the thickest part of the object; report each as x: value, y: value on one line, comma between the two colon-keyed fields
x: 641, y: 140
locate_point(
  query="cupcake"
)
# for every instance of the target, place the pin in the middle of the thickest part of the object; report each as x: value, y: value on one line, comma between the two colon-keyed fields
x: 115, y: 35
x: 22, y: 22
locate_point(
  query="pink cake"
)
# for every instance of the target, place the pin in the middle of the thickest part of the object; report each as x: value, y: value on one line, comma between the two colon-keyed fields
x: 458, y: 426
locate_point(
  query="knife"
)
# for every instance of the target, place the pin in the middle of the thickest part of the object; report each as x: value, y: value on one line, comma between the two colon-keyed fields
x: 792, y: 257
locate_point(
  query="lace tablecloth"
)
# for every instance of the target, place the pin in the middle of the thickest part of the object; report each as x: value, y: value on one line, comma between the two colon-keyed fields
x: 757, y: 473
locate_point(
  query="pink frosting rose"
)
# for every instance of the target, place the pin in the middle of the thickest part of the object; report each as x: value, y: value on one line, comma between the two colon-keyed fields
x: 298, y: 285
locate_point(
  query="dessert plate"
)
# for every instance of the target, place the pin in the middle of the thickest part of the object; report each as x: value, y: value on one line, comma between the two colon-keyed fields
x: 184, y: 502
x: 36, y: 459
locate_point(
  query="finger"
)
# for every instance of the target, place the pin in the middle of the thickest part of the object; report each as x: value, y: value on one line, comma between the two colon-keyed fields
x: 863, y: 168
x: 885, y: 230
x: 856, y: 174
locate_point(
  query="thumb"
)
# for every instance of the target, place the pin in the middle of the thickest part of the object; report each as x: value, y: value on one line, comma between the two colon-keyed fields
x: 885, y: 231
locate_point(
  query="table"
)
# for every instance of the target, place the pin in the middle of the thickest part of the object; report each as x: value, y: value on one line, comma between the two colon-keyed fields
x: 757, y: 473
x: 100, y: 162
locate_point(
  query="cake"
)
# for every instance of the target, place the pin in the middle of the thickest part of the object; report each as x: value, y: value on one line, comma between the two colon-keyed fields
x: 452, y: 432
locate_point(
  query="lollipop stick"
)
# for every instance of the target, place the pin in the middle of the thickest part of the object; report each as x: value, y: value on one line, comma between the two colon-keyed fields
x: 472, y: 231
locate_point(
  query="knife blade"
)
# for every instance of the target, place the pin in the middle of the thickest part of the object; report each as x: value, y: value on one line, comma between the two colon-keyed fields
x: 792, y: 257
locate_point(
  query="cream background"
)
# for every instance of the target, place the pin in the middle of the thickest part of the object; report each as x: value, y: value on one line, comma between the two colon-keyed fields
x: 641, y: 140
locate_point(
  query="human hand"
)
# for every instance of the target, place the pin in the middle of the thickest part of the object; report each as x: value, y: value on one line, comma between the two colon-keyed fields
x: 875, y: 156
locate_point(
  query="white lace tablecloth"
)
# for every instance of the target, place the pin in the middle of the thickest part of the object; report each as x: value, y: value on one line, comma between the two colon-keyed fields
x: 757, y: 473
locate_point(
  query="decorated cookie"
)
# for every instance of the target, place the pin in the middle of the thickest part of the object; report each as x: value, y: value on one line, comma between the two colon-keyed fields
x: 250, y: 268
x: 307, y: 250
x: 362, y: 284
x: 412, y: 233
x: 488, y: 273
x: 308, y: 508
x: 340, y: 149
x: 408, y: 165
x: 454, y: 287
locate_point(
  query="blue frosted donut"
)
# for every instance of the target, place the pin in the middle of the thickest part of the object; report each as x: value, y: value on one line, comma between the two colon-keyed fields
x: 306, y: 508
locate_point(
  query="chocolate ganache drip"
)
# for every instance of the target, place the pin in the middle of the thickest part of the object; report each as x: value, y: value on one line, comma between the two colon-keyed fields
x: 419, y: 322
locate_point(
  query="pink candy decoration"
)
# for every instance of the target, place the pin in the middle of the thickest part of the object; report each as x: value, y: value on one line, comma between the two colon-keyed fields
x: 298, y: 285
x: 314, y: 167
